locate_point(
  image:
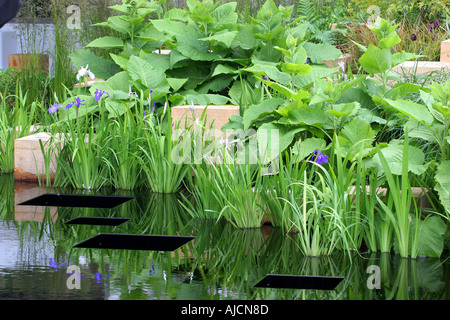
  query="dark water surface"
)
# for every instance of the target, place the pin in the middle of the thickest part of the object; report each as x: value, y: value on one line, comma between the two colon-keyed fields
x: 221, y: 263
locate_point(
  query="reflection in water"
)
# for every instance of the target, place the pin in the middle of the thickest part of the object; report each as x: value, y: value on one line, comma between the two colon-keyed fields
x: 222, y: 262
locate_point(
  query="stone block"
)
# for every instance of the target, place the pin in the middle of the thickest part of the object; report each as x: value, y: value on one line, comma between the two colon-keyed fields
x: 421, y: 67
x: 216, y: 116
x: 445, y: 51
x: 29, y: 161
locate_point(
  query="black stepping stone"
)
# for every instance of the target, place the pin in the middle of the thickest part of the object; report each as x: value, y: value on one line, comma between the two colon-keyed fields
x: 99, y: 221
x: 134, y: 242
x: 76, y: 200
x: 299, y: 282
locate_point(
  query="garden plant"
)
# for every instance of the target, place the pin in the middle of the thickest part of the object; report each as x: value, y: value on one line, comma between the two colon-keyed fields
x: 349, y: 145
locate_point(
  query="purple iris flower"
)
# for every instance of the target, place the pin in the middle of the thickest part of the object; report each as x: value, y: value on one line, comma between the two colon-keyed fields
x: 53, y: 108
x: 99, y: 93
x: 319, y: 157
x: 433, y: 25
x: 77, y: 101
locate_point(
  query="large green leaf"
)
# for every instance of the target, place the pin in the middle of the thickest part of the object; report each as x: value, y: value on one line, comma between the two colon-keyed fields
x: 393, y: 154
x: 225, y: 16
x: 265, y: 69
x: 107, y: 42
x: 442, y: 186
x: 119, y: 24
x: 226, y: 37
x: 344, y: 109
x: 417, y: 129
x: 431, y: 232
x: 302, y: 69
x: 303, y: 149
x: 171, y: 28
x: 414, y: 110
x: 355, y: 135
x: 302, y: 81
x: 376, y: 60
x: 190, y: 45
x: 144, y: 73
x: 257, y: 111
x: 306, y: 116
x: 101, y: 67
x: 320, y: 52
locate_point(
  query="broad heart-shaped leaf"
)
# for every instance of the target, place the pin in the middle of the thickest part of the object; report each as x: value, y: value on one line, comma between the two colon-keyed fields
x: 224, y: 69
x: 376, y: 60
x: 176, y: 14
x: 101, y: 67
x: 355, y: 135
x: 120, y: 61
x: 144, y: 73
x: 107, y: 42
x: 320, y: 52
x: 120, y: 81
x: 119, y: 24
x: 387, y: 43
x: 344, y: 109
x: 299, y: 95
x: 270, y: 71
x: 303, y: 149
x: 306, y: 116
x: 226, y: 37
x: 303, y: 69
x: 172, y: 28
x: 417, y: 129
x: 302, y: 81
x: 442, y: 186
x: 190, y: 45
x: 414, y: 110
x: 431, y: 232
x: 225, y: 16
x: 394, y: 157
x: 400, y: 57
x: 176, y: 83
x: 259, y: 110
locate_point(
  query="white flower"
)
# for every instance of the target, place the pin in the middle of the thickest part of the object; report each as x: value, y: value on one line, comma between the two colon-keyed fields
x: 83, y: 72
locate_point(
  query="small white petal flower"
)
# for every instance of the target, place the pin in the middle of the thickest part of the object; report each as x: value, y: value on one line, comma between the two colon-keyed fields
x: 83, y: 72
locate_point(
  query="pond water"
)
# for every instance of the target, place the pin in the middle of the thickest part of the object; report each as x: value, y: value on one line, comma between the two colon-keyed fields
x: 221, y: 263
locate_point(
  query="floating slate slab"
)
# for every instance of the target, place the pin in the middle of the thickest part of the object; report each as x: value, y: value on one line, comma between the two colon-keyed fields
x: 299, y: 282
x: 134, y: 242
x: 99, y: 221
x: 76, y: 200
